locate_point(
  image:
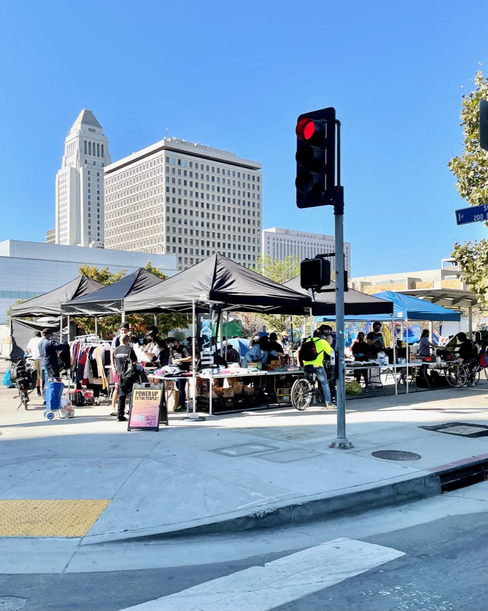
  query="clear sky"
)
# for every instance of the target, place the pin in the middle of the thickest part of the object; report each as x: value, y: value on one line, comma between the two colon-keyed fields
x: 235, y: 75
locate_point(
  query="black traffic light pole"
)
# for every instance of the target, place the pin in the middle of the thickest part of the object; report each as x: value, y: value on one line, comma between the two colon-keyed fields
x: 341, y: 440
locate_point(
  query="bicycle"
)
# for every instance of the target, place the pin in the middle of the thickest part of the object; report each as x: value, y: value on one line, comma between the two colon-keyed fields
x: 460, y: 374
x: 306, y: 391
x: 22, y: 375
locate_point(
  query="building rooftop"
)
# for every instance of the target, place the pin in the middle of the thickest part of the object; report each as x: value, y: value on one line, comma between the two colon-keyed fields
x: 88, y: 118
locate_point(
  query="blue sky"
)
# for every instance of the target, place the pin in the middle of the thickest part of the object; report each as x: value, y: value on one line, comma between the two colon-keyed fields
x: 235, y: 75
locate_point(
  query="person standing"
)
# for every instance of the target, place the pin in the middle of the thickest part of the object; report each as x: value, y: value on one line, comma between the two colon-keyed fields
x: 33, y: 350
x: 181, y: 356
x: 375, y: 340
x: 316, y: 365
x: 360, y: 350
x: 124, y: 330
x: 125, y: 365
x: 48, y: 352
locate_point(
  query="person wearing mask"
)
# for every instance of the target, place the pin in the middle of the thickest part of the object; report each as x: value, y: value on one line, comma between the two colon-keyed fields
x: 360, y: 350
x: 126, y: 373
x: 326, y: 333
x: 375, y: 340
x: 261, y: 352
x: 151, y: 348
x: 48, y: 351
x: 33, y: 350
x: 324, y: 350
x: 181, y: 356
x: 123, y: 330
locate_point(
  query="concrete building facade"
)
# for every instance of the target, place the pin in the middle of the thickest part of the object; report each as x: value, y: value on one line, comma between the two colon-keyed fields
x: 79, y: 184
x: 280, y: 243
x: 187, y: 200
x: 448, y: 276
x: 28, y: 269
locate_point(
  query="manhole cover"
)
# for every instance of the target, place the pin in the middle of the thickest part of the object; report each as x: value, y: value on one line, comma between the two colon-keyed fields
x: 463, y: 429
x: 395, y: 455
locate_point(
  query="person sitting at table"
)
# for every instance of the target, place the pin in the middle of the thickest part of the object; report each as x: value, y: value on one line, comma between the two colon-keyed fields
x: 232, y: 354
x: 361, y: 352
x: 150, y: 348
x: 274, y: 344
x: 260, y: 352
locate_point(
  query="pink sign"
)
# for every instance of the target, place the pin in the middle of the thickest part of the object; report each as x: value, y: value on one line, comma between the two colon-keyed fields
x: 144, y: 412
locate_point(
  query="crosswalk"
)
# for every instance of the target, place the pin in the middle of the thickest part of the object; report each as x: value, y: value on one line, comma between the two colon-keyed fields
x: 261, y: 588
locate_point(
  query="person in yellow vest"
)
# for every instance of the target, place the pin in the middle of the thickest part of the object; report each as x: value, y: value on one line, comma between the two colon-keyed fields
x: 316, y: 366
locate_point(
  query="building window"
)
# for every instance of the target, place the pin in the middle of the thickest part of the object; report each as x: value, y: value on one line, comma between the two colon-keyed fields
x: 85, y: 146
x: 89, y: 148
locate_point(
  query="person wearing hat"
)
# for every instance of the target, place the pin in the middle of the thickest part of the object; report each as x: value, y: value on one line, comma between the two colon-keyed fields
x: 48, y: 352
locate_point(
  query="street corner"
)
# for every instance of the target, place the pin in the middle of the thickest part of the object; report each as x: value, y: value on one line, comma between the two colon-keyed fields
x: 49, y: 517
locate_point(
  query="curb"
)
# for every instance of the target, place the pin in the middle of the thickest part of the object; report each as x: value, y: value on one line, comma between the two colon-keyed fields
x: 409, y: 489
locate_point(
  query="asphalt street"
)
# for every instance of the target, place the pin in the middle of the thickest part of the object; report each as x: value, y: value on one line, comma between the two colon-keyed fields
x: 428, y: 555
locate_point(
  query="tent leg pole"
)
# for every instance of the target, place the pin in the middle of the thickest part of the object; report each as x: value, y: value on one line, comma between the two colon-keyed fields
x: 193, y: 415
x: 69, y: 328
x: 122, y: 314
x: 408, y: 350
x: 470, y: 322
x: 96, y: 325
x: 395, y: 353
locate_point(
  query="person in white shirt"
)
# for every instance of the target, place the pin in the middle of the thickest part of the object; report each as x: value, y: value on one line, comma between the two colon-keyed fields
x: 33, y: 350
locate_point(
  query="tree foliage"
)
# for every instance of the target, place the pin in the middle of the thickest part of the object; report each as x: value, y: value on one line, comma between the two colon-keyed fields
x: 472, y: 258
x: 140, y: 322
x: 281, y: 271
x: 471, y: 172
x: 471, y: 167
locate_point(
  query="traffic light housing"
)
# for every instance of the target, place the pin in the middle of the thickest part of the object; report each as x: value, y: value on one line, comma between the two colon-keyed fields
x: 314, y: 273
x: 316, y: 158
x: 484, y: 124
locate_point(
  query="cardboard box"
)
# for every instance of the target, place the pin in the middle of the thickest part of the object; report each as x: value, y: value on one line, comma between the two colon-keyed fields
x: 238, y: 386
x: 274, y: 364
x: 227, y: 392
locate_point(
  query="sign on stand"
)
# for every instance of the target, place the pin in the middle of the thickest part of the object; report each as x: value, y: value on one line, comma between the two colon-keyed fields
x: 472, y: 215
x: 145, y: 408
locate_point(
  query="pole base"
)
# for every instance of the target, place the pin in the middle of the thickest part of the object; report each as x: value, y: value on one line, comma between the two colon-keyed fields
x: 194, y: 418
x: 341, y: 443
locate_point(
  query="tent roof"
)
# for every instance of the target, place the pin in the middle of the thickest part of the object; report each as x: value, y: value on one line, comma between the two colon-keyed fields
x: 49, y: 304
x: 220, y: 279
x: 355, y: 303
x: 406, y: 306
x: 109, y: 299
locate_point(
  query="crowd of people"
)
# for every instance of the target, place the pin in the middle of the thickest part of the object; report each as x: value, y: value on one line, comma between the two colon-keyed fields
x: 129, y: 356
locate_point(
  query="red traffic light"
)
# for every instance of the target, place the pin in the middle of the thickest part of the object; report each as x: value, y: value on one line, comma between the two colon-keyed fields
x: 305, y: 129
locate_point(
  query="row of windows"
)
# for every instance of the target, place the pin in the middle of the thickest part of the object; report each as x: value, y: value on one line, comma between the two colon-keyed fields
x: 94, y: 149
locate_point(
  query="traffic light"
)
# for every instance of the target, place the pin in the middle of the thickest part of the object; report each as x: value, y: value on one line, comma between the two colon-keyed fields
x: 484, y: 124
x: 314, y: 273
x: 316, y: 158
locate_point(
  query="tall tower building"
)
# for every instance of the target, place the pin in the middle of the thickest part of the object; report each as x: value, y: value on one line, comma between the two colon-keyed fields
x: 185, y: 199
x: 80, y: 185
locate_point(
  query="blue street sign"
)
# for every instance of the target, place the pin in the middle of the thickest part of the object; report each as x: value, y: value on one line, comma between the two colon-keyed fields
x: 471, y: 215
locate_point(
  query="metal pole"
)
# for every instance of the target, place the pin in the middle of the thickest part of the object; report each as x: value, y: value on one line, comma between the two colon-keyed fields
x: 341, y: 441
x: 61, y: 329
x: 408, y: 349
x: 470, y: 322
x: 193, y: 415
x: 69, y: 328
x: 122, y: 313
x: 96, y: 325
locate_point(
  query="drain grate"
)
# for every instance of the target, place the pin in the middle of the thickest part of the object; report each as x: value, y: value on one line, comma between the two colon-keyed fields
x: 463, y: 429
x: 395, y: 455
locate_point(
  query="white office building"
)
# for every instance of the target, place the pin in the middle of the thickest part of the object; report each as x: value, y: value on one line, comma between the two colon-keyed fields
x: 280, y: 243
x: 79, y: 184
x: 187, y: 200
x: 28, y: 269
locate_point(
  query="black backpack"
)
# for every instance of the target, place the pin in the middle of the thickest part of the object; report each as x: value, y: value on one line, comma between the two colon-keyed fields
x: 474, y: 349
x: 129, y: 372
x: 308, y: 351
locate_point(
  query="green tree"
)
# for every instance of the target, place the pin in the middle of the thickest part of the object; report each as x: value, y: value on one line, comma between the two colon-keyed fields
x: 141, y: 322
x: 471, y: 172
x: 281, y: 271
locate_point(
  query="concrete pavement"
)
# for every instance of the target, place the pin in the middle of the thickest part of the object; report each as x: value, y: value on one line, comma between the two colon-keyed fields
x: 232, y: 472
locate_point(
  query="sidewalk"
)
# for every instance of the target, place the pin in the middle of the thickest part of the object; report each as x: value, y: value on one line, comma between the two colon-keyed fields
x: 228, y: 473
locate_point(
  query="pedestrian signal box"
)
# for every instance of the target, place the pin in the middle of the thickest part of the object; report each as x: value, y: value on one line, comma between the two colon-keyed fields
x: 314, y: 273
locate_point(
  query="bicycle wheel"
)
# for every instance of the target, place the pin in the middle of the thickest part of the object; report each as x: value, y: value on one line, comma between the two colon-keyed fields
x: 455, y: 375
x: 301, y: 394
x: 24, y: 396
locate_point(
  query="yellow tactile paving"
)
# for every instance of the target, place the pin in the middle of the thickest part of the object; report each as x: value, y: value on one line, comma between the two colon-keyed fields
x: 49, y: 518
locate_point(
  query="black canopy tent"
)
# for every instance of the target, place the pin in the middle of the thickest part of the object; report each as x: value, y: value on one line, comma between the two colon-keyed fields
x: 110, y: 300
x: 49, y: 304
x: 219, y: 279
x: 355, y: 302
